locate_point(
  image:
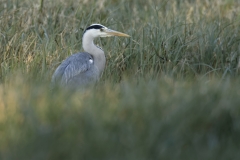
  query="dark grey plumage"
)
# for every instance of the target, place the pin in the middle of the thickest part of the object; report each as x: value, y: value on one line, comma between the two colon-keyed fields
x: 77, y: 70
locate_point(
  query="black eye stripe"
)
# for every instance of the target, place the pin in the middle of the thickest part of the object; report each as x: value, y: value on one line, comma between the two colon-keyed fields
x: 94, y: 27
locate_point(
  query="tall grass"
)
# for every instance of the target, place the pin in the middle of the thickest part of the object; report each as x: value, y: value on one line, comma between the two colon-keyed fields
x: 168, y: 92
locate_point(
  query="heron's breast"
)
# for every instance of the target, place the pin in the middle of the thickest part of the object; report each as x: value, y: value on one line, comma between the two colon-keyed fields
x: 93, y: 71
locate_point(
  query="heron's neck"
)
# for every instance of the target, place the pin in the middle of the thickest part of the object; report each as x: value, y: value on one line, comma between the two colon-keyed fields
x: 98, y: 54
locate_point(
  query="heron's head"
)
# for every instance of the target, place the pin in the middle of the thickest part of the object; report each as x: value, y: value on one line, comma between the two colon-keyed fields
x: 98, y: 30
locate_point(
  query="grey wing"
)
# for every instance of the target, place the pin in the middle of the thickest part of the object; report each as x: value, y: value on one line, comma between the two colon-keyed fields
x: 73, y: 70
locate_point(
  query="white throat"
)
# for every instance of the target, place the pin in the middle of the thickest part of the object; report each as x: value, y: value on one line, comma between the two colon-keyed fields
x: 99, y: 59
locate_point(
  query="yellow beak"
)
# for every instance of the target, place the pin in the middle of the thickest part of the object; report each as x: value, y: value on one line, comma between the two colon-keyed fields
x: 115, y: 33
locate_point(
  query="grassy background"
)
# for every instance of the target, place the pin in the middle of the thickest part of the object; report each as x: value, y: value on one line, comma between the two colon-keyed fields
x: 171, y: 91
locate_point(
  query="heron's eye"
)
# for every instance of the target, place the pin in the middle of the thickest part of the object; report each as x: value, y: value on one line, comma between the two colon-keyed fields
x: 101, y: 29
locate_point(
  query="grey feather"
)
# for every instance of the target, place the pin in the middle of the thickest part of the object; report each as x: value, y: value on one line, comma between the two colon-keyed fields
x: 78, y: 70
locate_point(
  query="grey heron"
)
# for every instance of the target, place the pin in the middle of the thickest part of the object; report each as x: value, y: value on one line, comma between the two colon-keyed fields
x: 85, y: 68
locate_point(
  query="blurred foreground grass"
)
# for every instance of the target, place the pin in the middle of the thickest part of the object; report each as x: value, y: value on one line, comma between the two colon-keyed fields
x: 158, y: 119
x: 171, y: 91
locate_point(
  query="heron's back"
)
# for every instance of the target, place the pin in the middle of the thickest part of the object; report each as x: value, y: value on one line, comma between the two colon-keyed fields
x: 77, y: 71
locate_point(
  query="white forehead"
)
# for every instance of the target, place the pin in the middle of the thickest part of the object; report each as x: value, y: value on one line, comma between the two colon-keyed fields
x: 94, y: 31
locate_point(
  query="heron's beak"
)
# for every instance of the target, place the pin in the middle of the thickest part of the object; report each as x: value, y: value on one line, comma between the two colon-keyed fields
x: 115, y: 33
